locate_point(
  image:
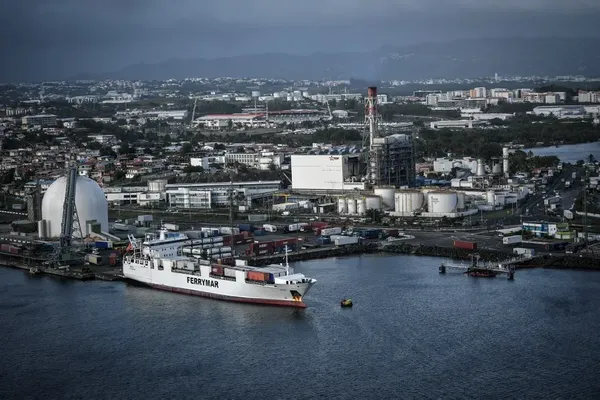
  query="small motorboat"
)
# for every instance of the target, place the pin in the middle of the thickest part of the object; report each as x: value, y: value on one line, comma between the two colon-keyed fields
x: 34, y: 271
x: 346, y: 303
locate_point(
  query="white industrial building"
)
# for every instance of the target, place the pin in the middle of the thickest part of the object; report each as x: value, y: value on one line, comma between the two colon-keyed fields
x: 189, y: 198
x: 166, y: 114
x: 326, y: 172
x: 223, y: 121
x: 456, y: 124
x: 445, y: 165
x: 186, y: 195
x: 567, y: 111
x: 43, y: 120
x: 261, y: 161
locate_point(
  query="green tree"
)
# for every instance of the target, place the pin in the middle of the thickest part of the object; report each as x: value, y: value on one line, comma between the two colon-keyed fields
x: 186, y: 148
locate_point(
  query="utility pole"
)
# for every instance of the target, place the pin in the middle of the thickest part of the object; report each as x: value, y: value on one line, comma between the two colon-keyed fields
x: 585, y: 235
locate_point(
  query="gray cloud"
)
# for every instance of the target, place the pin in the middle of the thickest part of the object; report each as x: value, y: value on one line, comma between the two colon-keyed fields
x: 69, y: 36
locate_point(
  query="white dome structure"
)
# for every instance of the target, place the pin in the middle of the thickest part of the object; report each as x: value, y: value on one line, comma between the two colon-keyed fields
x: 89, y: 199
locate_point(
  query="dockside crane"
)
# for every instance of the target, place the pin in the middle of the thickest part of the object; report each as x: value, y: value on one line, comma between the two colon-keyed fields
x: 70, y: 221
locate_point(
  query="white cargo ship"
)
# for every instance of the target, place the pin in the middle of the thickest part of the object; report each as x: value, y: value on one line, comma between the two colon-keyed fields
x: 158, y: 262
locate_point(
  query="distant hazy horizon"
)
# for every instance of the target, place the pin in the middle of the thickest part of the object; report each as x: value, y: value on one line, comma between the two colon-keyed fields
x: 66, y: 37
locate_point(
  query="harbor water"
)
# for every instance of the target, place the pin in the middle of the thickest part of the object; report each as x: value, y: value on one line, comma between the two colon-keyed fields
x: 570, y: 153
x: 412, y: 333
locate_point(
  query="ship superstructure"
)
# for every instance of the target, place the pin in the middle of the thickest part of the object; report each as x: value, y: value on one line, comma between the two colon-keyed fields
x: 159, y: 263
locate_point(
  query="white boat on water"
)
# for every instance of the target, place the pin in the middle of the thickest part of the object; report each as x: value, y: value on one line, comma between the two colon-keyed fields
x: 157, y: 262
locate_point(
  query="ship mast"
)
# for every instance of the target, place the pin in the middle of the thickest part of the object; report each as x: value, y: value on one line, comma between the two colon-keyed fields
x: 287, y: 264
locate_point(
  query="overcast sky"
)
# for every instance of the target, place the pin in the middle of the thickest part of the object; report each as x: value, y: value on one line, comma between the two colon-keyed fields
x: 103, y: 35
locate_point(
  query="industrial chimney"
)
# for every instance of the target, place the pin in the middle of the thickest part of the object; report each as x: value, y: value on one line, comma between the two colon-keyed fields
x: 371, y: 112
x: 480, y: 168
x: 505, y: 165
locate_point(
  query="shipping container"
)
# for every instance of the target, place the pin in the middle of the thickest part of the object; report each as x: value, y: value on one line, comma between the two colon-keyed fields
x: 18, y: 207
x: 5, y: 247
x: 103, y: 245
x: 94, y: 259
x: 294, y: 228
x: 216, y: 270
x: 246, y: 227
x: 318, y: 224
x: 217, y: 250
x: 324, y: 240
x: 330, y: 231
x: 512, y: 239
x: 256, y: 276
x: 171, y: 227
x: 460, y: 244
x: 270, y: 228
x: 370, y: 233
x: 345, y: 240
x: 145, y: 218
x: 229, y: 272
x: 568, y: 214
x: 226, y: 230
x: 120, y: 227
x: 393, y: 232
x: 259, y: 232
x: 524, y: 251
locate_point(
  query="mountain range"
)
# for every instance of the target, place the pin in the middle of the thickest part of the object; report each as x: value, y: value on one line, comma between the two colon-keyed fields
x: 465, y: 58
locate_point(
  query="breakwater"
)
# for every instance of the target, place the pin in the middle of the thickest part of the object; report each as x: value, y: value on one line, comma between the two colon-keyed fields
x: 313, y: 254
x: 563, y: 261
x: 448, y: 252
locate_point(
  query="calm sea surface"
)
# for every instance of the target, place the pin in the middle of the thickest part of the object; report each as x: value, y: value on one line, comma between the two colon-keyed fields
x: 412, y: 334
x: 570, y: 153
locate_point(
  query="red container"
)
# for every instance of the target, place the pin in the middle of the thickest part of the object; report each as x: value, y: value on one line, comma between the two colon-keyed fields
x: 460, y: 244
x: 393, y: 232
x: 319, y: 224
x: 216, y: 270
x: 5, y: 247
x: 256, y: 276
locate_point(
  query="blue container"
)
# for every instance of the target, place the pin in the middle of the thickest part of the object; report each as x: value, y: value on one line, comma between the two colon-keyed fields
x: 271, y: 278
x: 245, y: 227
x: 324, y: 240
x: 101, y: 245
x: 259, y: 232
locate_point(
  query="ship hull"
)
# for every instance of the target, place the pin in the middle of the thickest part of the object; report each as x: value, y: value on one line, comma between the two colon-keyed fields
x: 216, y: 296
x: 221, y: 288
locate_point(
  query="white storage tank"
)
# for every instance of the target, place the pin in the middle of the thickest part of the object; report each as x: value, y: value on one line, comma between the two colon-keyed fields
x: 442, y: 202
x: 491, y: 197
x: 90, y: 201
x: 461, y: 200
x: 373, y: 203
x: 387, y: 194
x: 42, y: 229
x: 342, y: 206
x: 351, y: 202
x: 361, y: 207
x: 408, y: 201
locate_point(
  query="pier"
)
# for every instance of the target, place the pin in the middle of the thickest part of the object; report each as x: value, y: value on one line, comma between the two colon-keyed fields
x: 483, y: 269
